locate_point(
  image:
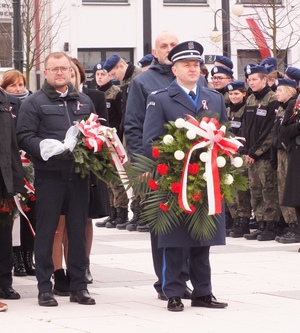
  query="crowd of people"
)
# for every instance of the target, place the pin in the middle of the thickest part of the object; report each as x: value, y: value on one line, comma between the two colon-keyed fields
x: 172, y: 82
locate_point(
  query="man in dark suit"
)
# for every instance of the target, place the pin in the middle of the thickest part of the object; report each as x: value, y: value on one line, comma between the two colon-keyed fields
x: 185, y: 96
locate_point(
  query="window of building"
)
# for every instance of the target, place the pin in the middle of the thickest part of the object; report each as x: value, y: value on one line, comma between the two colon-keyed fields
x: 89, y: 57
x: 6, y: 45
x: 104, y: 1
x: 262, y: 2
x: 246, y: 57
x: 184, y: 1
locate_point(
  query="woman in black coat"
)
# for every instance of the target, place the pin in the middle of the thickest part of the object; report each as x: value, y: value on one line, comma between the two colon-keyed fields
x: 11, y: 182
x: 290, y: 135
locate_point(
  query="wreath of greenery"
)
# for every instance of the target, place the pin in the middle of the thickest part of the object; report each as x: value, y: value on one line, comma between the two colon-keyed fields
x: 158, y: 182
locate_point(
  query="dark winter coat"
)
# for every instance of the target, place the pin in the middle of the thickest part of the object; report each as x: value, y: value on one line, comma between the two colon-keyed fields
x: 11, y: 171
x: 46, y: 113
x: 168, y: 105
x: 157, y: 77
x: 290, y: 133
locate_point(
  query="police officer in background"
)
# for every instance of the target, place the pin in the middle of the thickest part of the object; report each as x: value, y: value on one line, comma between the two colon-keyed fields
x: 48, y: 114
x: 185, y: 96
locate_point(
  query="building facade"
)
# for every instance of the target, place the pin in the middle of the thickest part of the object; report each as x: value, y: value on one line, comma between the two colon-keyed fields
x: 92, y: 30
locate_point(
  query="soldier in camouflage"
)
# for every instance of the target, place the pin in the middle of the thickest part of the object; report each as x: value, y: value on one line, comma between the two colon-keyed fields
x: 240, y: 208
x: 257, y: 129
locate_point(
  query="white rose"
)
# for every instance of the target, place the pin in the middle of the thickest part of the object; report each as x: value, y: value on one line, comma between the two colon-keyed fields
x: 179, y: 123
x: 221, y: 162
x: 168, y: 139
x: 179, y: 155
x: 190, y: 134
x: 203, y: 157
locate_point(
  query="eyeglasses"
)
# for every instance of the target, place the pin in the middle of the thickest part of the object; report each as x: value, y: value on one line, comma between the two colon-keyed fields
x: 217, y: 78
x: 57, y: 69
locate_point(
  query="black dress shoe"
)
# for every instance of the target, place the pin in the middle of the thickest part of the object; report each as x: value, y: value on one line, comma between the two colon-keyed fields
x: 175, y: 304
x: 208, y: 301
x: 9, y: 293
x: 161, y: 296
x: 81, y: 297
x: 188, y: 293
x: 47, y: 299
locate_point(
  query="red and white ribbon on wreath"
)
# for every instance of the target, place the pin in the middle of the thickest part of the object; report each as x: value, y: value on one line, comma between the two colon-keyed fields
x: 97, y: 135
x: 213, y: 136
x: 30, y: 189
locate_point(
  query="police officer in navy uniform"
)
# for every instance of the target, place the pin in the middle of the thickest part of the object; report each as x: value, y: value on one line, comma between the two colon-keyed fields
x: 167, y: 105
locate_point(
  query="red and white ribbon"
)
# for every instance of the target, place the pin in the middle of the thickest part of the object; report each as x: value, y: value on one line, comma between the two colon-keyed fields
x: 96, y: 135
x: 213, y: 137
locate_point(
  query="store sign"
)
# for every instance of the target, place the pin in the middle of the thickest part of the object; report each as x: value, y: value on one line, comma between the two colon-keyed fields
x: 6, y: 9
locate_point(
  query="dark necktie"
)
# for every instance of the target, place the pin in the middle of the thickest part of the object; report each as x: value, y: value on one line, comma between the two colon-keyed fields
x: 192, y: 94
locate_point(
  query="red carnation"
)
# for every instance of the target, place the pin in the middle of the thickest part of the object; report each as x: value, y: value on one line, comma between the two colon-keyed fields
x: 175, y: 187
x: 193, y: 208
x: 163, y: 207
x: 162, y: 169
x: 152, y: 184
x: 193, y: 168
x: 196, y: 196
x: 155, y: 152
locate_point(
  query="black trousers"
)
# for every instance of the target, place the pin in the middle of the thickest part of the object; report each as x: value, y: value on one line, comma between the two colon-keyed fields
x: 54, y: 197
x: 200, y: 272
x: 158, y: 263
x: 6, y: 257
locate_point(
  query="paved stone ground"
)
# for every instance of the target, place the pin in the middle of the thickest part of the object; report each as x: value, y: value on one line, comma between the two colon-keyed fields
x: 259, y: 280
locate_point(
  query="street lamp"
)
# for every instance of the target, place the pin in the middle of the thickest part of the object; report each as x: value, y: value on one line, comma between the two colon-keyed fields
x: 216, y: 35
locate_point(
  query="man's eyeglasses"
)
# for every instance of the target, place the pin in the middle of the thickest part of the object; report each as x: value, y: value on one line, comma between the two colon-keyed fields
x: 218, y: 78
x: 57, y: 69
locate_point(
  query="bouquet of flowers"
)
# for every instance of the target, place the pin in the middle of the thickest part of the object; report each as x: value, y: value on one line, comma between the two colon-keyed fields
x: 193, y: 171
x: 95, y: 148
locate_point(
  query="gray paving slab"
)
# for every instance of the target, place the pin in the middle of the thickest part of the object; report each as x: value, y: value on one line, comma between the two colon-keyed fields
x: 259, y: 280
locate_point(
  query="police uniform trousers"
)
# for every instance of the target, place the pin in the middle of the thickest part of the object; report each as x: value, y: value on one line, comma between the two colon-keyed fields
x: 6, y: 255
x: 68, y: 194
x: 200, y: 271
x: 158, y: 263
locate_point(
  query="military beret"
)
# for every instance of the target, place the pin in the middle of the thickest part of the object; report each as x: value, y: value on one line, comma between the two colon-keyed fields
x: 293, y: 73
x: 286, y: 82
x: 270, y: 68
x: 252, y: 69
x: 222, y: 70
x: 269, y: 61
x: 111, y: 62
x: 224, y: 60
x: 146, y: 60
x: 235, y: 85
x: 189, y: 50
x: 98, y: 66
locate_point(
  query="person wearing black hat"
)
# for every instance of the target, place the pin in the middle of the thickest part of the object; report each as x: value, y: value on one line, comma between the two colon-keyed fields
x: 294, y: 74
x: 145, y: 62
x: 124, y: 72
x: 257, y: 127
x: 117, y: 195
x: 158, y: 76
x: 223, y: 61
x: 185, y: 96
x: 285, y: 92
x: 240, y: 208
x: 221, y: 77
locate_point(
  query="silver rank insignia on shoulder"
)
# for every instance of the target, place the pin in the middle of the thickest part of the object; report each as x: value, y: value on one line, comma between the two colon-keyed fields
x: 150, y: 103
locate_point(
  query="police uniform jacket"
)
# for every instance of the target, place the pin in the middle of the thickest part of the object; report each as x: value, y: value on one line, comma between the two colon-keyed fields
x: 46, y: 115
x: 158, y: 76
x: 258, y: 124
x: 290, y: 133
x: 168, y: 105
x: 11, y: 171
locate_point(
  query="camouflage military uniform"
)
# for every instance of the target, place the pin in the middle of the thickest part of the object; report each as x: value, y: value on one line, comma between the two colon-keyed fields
x: 240, y: 207
x: 257, y: 128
